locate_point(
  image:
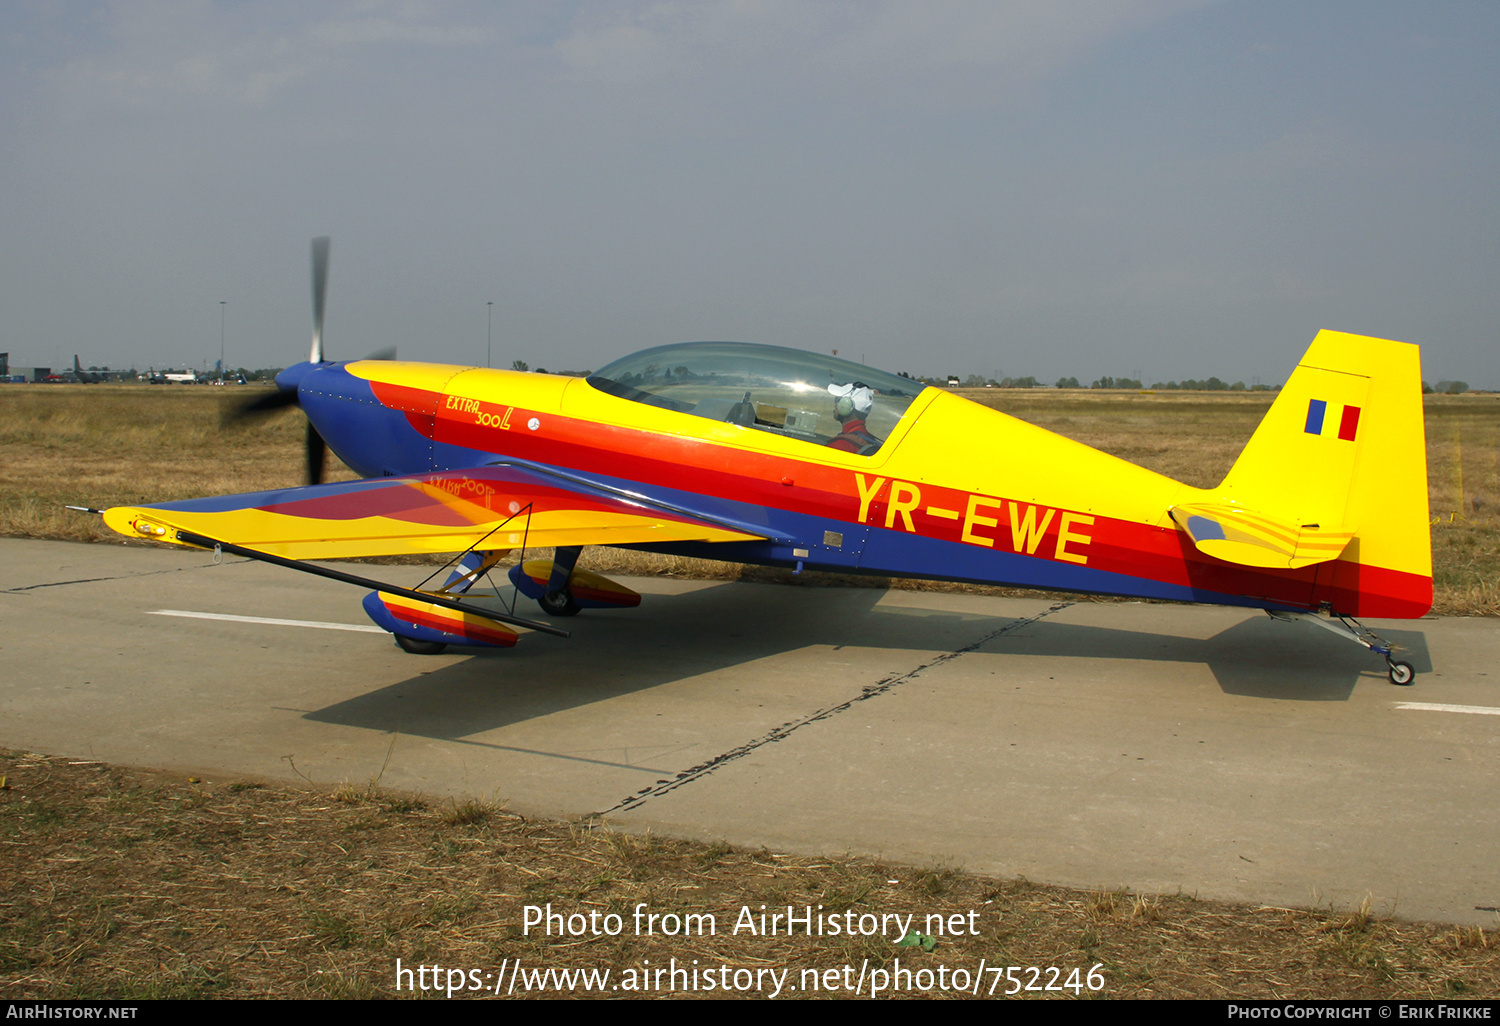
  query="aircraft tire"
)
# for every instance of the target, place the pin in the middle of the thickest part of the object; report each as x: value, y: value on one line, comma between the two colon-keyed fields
x: 561, y: 604
x: 416, y: 647
x: 1402, y: 674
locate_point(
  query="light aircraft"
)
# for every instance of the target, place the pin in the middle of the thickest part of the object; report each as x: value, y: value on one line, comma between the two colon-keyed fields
x: 760, y: 454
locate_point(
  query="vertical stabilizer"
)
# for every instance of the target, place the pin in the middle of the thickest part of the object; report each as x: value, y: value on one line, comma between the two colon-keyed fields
x: 1344, y: 448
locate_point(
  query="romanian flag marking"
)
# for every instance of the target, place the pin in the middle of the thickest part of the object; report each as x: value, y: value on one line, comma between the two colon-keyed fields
x: 1317, y: 412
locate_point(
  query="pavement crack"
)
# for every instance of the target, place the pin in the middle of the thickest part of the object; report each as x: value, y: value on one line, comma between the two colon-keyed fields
x: 784, y: 731
x: 120, y: 577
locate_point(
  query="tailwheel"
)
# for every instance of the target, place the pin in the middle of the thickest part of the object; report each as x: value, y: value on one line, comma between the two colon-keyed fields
x: 416, y: 647
x: 559, y: 603
x: 1401, y: 673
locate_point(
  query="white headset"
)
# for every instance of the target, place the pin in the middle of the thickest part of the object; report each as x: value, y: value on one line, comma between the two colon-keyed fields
x: 856, y: 397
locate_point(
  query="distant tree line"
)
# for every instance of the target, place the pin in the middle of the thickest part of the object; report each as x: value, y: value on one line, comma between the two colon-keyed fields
x: 521, y: 365
x: 1212, y: 385
x: 1186, y: 385
x: 979, y: 381
x: 1189, y: 385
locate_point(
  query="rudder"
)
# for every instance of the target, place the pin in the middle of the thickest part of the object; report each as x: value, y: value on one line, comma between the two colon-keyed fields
x: 1343, y: 447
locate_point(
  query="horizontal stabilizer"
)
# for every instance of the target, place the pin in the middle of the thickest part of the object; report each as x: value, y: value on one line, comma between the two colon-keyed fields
x: 1238, y: 535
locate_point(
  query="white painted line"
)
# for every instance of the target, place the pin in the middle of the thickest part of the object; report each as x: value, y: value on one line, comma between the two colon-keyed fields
x: 1481, y: 710
x: 363, y: 627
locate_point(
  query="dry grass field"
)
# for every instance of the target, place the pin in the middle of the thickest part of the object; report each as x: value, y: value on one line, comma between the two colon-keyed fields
x: 136, y: 886
x: 128, y: 885
x: 103, y: 445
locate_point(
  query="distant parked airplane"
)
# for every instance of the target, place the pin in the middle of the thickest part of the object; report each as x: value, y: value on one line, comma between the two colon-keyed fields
x: 173, y: 378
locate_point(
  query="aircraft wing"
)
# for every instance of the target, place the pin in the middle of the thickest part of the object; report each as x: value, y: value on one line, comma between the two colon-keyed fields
x: 507, y: 505
x: 1238, y: 535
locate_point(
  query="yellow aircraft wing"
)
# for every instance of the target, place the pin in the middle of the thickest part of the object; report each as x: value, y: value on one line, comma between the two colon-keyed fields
x: 503, y: 506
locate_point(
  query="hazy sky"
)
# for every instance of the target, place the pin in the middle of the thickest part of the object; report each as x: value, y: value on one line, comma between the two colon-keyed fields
x: 1154, y: 188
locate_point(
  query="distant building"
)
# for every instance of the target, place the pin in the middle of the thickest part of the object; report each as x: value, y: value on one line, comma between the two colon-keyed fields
x: 19, y: 375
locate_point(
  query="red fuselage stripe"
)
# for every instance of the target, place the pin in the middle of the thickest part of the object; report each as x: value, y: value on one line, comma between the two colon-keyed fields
x: 689, y: 464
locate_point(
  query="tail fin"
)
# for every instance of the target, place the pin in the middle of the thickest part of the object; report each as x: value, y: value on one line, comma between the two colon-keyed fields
x: 1342, y: 451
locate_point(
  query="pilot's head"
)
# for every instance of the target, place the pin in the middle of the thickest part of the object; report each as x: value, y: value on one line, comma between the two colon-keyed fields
x: 852, y: 401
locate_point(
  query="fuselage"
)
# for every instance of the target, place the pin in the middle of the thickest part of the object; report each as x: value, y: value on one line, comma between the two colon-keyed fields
x: 956, y: 491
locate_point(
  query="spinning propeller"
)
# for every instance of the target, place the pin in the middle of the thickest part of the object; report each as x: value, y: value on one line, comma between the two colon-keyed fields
x: 320, y: 294
x: 315, y: 449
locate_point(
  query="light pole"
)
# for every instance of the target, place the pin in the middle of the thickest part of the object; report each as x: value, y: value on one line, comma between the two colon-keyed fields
x: 221, y: 341
x: 489, y: 331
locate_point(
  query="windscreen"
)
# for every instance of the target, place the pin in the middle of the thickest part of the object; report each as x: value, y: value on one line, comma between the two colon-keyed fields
x: 818, y: 399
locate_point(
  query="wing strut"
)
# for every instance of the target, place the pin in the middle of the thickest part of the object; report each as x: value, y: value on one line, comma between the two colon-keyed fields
x: 204, y: 542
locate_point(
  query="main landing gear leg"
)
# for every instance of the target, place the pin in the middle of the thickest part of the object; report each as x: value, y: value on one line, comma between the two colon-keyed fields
x: 1401, y: 673
x: 558, y: 601
x: 562, y: 588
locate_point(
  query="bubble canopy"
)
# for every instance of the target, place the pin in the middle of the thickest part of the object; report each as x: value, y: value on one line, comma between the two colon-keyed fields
x: 769, y: 388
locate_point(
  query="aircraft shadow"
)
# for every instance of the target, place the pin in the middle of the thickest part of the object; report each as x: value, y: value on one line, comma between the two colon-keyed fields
x: 669, y: 638
x: 675, y: 637
x: 1257, y: 658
